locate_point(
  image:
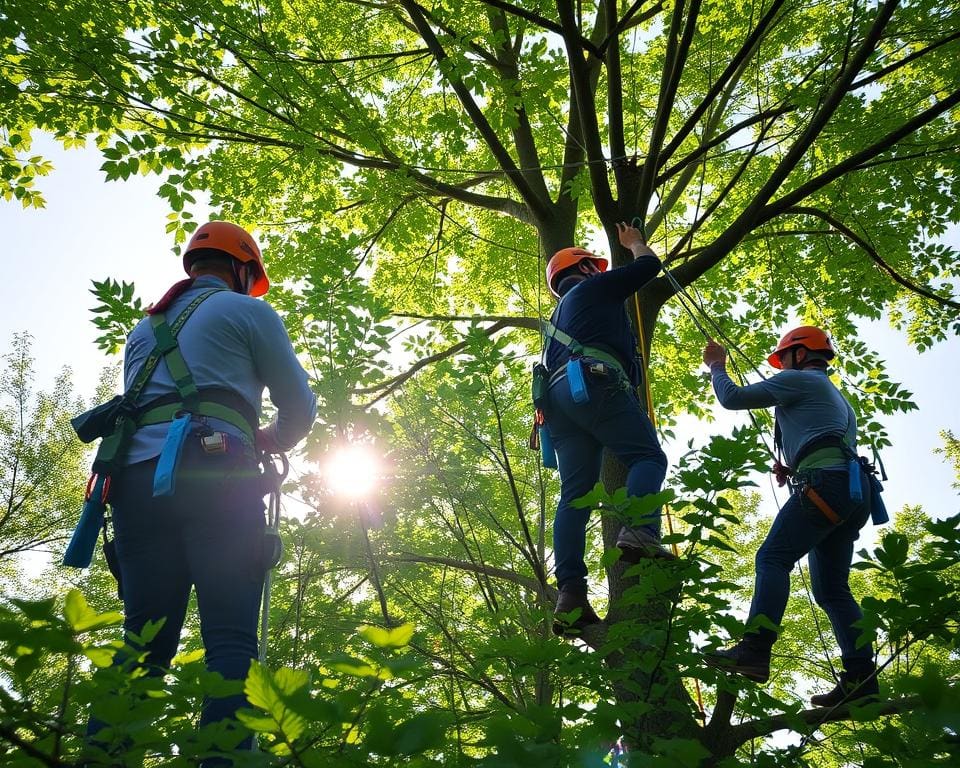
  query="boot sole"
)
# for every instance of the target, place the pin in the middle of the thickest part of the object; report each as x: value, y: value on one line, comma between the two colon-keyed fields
x: 757, y: 674
x: 860, y: 701
x: 634, y: 555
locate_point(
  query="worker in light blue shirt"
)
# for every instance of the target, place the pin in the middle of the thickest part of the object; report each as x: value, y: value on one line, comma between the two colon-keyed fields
x: 817, y: 430
x: 233, y: 343
x: 206, y: 528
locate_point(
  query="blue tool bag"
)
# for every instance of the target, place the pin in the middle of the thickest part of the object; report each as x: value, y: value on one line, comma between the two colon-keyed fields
x: 548, y: 453
x: 577, y: 382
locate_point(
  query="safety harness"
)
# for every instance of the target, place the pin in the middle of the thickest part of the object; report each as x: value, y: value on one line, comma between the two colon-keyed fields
x: 800, y: 478
x: 117, y: 420
x: 599, y: 361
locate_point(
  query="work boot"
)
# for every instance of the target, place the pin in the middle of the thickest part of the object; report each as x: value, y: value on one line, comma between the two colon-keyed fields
x: 569, y: 600
x: 639, y: 544
x: 744, y: 658
x: 862, y: 688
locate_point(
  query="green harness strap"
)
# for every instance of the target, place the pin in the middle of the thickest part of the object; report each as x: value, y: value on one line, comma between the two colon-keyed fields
x: 576, y: 348
x: 191, y: 400
x: 113, y: 447
x: 165, y: 413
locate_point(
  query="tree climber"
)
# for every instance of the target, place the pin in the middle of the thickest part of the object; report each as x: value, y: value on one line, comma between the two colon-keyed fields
x: 591, y: 403
x: 822, y: 518
x: 187, y: 496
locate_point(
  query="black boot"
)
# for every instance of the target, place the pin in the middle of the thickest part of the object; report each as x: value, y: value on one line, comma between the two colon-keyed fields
x: 571, y: 599
x: 745, y: 658
x: 860, y: 686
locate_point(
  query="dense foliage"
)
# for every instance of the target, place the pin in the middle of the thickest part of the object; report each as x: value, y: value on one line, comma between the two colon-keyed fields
x: 408, y: 167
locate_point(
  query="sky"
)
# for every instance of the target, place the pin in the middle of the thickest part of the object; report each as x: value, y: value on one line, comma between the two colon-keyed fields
x: 92, y: 229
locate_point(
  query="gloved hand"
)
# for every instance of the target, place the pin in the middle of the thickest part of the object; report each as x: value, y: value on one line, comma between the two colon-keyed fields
x: 266, y: 439
x: 714, y: 353
x: 780, y: 472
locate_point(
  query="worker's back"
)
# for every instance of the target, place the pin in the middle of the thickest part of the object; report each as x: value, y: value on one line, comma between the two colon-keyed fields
x: 231, y: 342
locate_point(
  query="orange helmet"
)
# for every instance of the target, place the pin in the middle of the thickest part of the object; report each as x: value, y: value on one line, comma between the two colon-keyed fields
x: 808, y: 336
x: 567, y: 257
x: 236, y: 242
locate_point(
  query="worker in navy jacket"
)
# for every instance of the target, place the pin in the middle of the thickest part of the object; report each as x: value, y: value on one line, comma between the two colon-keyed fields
x: 207, y: 532
x: 817, y: 430
x: 591, y: 327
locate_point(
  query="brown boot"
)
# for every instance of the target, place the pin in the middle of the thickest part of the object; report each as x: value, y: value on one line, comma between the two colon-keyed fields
x: 744, y: 658
x: 573, y: 612
x: 860, y: 687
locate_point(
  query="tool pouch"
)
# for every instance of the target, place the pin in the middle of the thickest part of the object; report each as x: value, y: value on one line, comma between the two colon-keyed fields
x: 578, y: 385
x: 878, y: 510
x: 540, y: 385
x: 165, y: 478
x: 101, y: 420
x: 856, y: 480
x: 84, y: 539
x: 547, y: 452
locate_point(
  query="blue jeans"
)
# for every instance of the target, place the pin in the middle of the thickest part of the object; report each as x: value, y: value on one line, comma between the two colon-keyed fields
x: 208, y: 535
x: 799, y: 529
x: 612, y: 419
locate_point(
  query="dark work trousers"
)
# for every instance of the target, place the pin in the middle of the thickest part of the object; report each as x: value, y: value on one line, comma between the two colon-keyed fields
x: 799, y: 529
x: 208, y: 535
x: 612, y: 419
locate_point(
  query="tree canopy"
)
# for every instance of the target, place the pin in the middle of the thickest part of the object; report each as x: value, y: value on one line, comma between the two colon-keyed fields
x: 408, y: 168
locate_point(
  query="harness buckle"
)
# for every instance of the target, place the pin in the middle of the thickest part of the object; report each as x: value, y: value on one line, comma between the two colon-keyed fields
x: 215, y: 442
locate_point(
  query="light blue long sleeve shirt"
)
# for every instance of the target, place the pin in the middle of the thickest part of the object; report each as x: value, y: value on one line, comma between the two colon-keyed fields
x: 234, y: 342
x: 807, y: 406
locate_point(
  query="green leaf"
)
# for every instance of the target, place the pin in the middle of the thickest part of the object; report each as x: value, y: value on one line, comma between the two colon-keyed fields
x: 271, y: 691
x: 419, y: 734
x: 398, y: 637
x: 82, y: 618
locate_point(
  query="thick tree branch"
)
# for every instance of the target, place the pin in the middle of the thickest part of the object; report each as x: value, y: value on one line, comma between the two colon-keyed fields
x: 628, y: 20
x: 583, y: 91
x: 900, y: 63
x: 523, y: 137
x: 535, y: 18
x: 614, y: 87
x: 758, y: 211
x: 678, y: 48
x: 528, y: 582
x: 740, y: 734
x: 730, y: 73
x: 838, y: 225
x: 489, y: 135
x: 860, y: 159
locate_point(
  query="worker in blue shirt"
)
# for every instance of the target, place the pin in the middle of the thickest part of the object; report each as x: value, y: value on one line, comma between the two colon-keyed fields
x: 590, y: 326
x: 207, y: 530
x: 821, y: 519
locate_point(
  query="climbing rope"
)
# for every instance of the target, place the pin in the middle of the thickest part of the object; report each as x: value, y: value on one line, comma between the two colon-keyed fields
x: 648, y: 393
x: 272, y: 546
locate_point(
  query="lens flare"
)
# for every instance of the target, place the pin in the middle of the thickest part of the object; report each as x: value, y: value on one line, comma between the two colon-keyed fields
x: 352, y: 471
